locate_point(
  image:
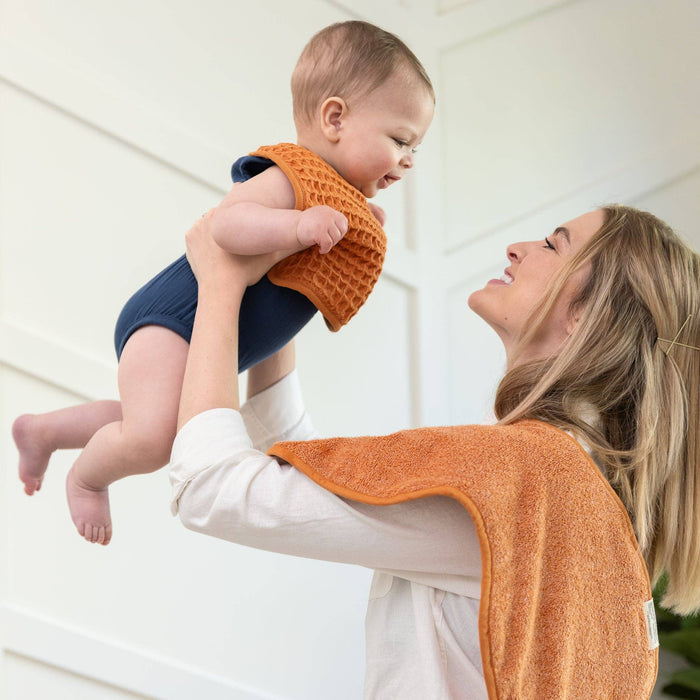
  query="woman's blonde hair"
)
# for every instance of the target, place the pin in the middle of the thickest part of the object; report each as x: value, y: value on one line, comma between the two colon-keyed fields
x: 349, y: 59
x: 622, y: 387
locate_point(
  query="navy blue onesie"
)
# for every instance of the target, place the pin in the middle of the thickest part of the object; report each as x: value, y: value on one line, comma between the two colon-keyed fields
x: 270, y: 315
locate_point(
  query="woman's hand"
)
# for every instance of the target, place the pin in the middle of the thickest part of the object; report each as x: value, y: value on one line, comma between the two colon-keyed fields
x: 211, y: 264
x: 378, y: 212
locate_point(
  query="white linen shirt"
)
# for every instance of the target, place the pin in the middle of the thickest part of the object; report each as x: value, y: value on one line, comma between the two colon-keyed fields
x: 422, y: 618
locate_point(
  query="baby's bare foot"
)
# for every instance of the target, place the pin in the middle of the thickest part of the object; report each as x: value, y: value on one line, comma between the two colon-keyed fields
x: 89, y: 509
x: 34, y: 451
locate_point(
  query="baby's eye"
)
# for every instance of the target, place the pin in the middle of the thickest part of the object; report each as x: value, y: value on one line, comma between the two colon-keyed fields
x: 404, y: 144
x: 548, y: 244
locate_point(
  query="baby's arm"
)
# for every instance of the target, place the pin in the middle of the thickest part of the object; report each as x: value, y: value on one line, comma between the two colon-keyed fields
x: 258, y: 216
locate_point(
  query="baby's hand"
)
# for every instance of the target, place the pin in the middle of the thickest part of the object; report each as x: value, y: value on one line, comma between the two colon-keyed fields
x: 321, y: 226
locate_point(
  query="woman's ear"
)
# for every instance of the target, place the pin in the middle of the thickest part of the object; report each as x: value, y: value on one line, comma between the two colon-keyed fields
x: 333, y: 112
x: 574, y: 318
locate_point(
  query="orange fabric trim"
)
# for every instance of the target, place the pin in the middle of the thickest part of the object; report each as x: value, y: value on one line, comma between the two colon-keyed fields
x: 339, y: 282
x: 525, y: 651
x: 279, y: 450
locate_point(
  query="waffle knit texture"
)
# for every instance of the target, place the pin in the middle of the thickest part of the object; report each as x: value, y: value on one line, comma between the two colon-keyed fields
x: 339, y: 282
x: 563, y: 580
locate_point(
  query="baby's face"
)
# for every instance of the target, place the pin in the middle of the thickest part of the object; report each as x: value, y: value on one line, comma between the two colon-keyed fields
x: 380, y: 132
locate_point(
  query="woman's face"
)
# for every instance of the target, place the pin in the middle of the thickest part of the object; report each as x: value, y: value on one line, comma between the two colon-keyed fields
x: 506, y: 303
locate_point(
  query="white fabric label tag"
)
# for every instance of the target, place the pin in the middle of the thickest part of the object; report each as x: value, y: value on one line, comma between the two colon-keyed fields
x: 652, y: 631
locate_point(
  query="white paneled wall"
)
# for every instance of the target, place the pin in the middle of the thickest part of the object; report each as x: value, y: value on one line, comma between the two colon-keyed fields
x: 541, y: 110
x: 546, y: 117
x: 118, y: 125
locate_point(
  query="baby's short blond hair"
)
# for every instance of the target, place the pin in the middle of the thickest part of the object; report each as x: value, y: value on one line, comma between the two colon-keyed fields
x: 349, y: 60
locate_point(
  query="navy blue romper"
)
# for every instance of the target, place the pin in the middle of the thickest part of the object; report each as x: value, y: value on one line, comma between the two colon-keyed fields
x: 270, y: 315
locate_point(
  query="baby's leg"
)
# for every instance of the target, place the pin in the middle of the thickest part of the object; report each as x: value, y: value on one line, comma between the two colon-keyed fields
x: 151, y: 369
x: 37, y: 436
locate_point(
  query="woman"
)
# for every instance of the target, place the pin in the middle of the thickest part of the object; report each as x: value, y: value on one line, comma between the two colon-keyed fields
x: 508, y: 566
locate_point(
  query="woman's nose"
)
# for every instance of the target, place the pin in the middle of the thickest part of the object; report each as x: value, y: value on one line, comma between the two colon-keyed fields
x: 517, y: 251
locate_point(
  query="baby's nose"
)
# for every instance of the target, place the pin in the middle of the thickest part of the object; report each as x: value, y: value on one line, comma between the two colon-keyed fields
x: 407, y: 160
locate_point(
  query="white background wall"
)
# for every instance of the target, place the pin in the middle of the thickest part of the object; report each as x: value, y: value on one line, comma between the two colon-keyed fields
x: 118, y: 125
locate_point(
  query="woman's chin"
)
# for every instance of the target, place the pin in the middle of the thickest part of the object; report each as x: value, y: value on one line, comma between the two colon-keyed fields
x: 470, y: 299
x: 476, y: 303
x: 481, y: 306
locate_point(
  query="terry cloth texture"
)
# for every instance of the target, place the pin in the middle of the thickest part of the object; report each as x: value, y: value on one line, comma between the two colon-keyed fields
x: 339, y: 282
x: 563, y: 581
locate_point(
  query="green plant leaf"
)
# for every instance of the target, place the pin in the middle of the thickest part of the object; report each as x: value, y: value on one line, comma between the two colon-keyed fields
x: 680, y: 691
x: 690, y: 622
x: 666, y: 619
x: 685, y: 642
x: 687, y: 677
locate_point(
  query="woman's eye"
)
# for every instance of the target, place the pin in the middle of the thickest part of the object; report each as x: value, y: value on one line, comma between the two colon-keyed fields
x: 548, y: 244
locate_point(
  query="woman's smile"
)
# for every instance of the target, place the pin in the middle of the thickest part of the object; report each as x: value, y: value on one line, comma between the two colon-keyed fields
x: 535, y: 264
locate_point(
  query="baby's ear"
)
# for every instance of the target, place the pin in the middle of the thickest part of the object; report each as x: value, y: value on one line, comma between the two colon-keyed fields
x: 333, y: 112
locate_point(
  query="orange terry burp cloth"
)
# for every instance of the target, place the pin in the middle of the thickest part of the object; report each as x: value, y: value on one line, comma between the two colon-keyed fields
x: 565, y: 595
x: 339, y: 282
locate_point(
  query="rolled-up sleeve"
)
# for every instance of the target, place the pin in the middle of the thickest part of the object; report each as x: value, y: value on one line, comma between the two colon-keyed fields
x: 226, y: 486
x: 276, y: 414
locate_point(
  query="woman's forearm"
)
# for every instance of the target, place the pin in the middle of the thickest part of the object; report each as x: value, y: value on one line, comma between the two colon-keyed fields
x: 271, y: 370
x: 211, y: 373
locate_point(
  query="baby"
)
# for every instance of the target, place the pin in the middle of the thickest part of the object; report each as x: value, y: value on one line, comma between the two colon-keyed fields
x: 362, y: 103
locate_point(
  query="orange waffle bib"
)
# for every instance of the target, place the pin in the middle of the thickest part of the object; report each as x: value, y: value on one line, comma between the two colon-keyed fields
x: 564, y: 586
x: 339, y: 282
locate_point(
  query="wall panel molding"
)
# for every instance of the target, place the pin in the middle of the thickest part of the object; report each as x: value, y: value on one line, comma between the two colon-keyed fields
x: 46, y: 360
x: 468, y: 22
x: 131, y: 669
x: 446, y: 25
x: 94, y: 104
x: 626, y: 185
x: 147, y: 132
